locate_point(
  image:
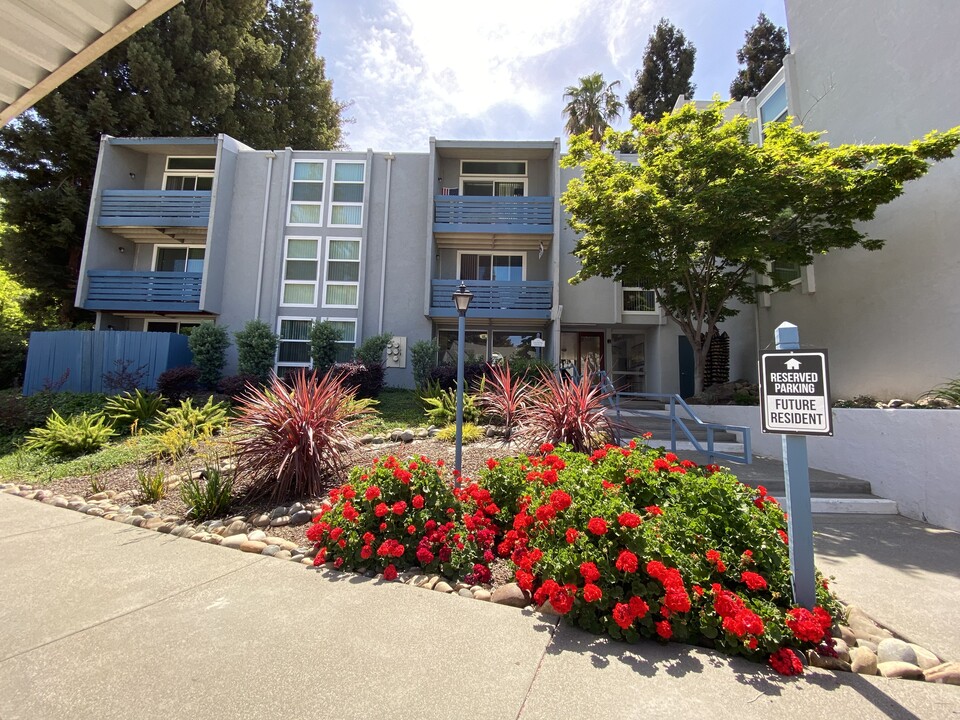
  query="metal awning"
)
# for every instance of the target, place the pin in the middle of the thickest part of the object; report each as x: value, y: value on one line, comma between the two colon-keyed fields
x: 45, y: 42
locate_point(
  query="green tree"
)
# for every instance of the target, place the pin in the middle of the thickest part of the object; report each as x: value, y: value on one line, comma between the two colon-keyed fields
x: 256, y: 349
x: 371, y: 350
x: 209, y: 343
x: 245, y: 67
x: 703, y: 211
x: 324, y: 337
x: 591, y: 106
x: 665, y: 76
x: 762, y: 54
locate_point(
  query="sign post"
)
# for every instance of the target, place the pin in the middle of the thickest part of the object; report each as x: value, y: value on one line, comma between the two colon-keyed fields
x: 795, y: 401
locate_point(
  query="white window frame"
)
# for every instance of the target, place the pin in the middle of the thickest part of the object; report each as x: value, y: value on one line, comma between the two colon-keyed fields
x: 636, y: 288
x: 760, y: 104
x: 351, y: 343
x: 167, y: 172
x: 283, y: 274
x: 524, y: 179
x: 291, y: 202
x: 333, y: 204
x: 326, y: 271
x: 177, y: 246
x: 276, y: 357
x: 491, y: 254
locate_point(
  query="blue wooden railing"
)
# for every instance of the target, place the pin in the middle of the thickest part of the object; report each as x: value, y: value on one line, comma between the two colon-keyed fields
x: 143, y: 291
x: 495, y: 299
x: 154, y: 208
x: 521, y: 215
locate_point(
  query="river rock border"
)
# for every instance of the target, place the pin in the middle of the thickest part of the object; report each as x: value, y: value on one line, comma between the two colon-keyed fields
x: 862, y: 646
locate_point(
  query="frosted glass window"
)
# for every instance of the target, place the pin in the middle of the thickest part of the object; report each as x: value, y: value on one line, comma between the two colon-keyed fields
x: 301, y: 267
x: 306, y: 193
x: 346, y: 209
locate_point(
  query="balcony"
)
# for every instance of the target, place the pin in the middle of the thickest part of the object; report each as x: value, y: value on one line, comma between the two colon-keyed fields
x: 527, y: 300
x: 154, y: 208
x: 126, y: 290
x: 506, y: 215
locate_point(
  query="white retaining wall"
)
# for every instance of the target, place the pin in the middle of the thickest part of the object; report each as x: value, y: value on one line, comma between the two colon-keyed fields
x: 910, y: 456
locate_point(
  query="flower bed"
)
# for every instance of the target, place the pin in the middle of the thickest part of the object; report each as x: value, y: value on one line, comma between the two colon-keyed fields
x: 631, y: 542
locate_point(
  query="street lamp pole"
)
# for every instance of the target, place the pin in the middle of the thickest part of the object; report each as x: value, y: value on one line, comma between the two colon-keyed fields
x: 461, y: 299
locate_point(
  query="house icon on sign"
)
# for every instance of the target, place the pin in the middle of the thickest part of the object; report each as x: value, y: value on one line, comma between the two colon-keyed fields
x: 792, y: 364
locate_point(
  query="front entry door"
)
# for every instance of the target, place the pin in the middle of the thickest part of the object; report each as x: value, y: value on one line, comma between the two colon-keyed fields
x: 583, y: 351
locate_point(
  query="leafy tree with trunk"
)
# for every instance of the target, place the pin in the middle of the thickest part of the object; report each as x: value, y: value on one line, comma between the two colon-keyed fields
x: 665, y: 76
x: 244, y: 67
x: 256, y: 349
x: 762, y: 54
x: 591, y: 106
x: 703, y: 211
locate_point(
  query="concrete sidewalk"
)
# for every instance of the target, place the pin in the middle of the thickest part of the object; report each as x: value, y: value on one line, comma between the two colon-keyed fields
x: 103, y: 620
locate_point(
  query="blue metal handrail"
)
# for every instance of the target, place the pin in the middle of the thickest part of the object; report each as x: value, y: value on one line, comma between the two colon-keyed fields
x: 675, y: 402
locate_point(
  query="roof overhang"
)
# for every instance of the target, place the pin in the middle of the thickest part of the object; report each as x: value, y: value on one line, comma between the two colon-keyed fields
x: 43, y: 43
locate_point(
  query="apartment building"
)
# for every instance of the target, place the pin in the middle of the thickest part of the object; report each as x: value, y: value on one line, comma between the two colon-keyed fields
x: 183, y: 230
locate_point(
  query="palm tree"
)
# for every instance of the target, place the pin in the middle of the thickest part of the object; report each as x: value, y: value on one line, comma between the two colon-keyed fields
x: 592, y: 106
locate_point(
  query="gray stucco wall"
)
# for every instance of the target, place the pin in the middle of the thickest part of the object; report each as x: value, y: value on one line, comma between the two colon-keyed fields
x: 883, y: 72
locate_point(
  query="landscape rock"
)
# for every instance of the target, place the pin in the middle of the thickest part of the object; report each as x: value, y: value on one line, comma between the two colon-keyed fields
x: 482, y: 595
x: 234, y: 541
x: 406, y: 436
x: 842, y: 649
x: 948, y: 672
x: 281, y: 521
x: 925, y: 658
x: 847, y: 635
x: 863, y: 661
x: 261, y: 520
x: 278, y: 512
x: 864, y: 627
x: 95, y: 511
x: 253, y: 546
x: 511, y: 595
x: 894, y: 650
x: 281, y: 543
x: 465, y: 593
x: 257, y: 535
x: 826, y: 662
x: 443, y: 586
x: 301, y: 517
x: 896, y: 669
x: 237, y: 527
x: 270, y: 550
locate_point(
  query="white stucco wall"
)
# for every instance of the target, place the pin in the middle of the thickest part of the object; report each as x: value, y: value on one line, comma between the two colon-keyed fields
x: 910, y: 456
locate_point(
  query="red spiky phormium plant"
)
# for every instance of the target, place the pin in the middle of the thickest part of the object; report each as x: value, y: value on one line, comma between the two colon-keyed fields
x: 297, y: 435
x: 503, y: 397
x: 560, y: 410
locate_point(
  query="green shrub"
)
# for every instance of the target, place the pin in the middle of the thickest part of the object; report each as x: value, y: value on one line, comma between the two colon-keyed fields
x: 151, y: 485
x: 256, y: 349
x: 324, y: 337
x: 195, y: 421
x: 423, y: 358
x: 67, y: 403
x: 172, y: 443
x: 76, y: 435
x: 471, y: 433
x: 442, y: 409
x: 371, y: 350
x: 209, y: 343
x: 209, y: 495
x: 524, y: 367
x: 133, y: 412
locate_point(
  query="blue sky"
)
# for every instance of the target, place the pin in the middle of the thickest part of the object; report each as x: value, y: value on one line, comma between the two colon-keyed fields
x: 497, y: 70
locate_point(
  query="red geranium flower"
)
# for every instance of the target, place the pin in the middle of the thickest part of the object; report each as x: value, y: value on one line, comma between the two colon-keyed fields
x: 591, y: 593
x: 390, y: 572
x: 560, y: 500
x: 627, y: 562
x: 372, y: 493
x: 418, y: 501
x: 572, y: 535
x: 546, y: 448
x: 365, y: 552
x: 638, y: 607
x: 597, y: 526
x: 622, y: 615
x: 805, y: 625
x: 589, y: 572
x: 381, y: 509
x: 491, y: 463
x: 654, y: 510
x: 664, y: 630
x: 399, y: 507
x: 753, y: 581
x: 629, y: 520
x: 786, y: 662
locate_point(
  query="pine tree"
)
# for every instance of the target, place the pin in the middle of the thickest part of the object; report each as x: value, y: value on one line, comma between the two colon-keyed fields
x: 762, y: 53
x: 667, y: 69
x: 243, y: 67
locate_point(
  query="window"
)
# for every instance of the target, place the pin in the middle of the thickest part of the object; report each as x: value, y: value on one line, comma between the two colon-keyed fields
x: 179, y: 258
x: 474, y: 346
x: 348, y: 337
x: 170, y: 326
x: 293, y: 349
x: 342, y: 277
x: 508, y: 345
x: 774, y: 108
x: 497, y: 178
x: 638, y: 300
x: 306, y: 193
x: 346, y: 206
x: 783, y: 271
x: 502, y: 268
x: 300, y: 267
x: 189, y: 173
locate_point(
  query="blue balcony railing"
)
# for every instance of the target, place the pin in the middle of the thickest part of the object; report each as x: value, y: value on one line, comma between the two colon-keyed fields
x: 154, y: 208
x: 494, y: 299
x: 127, y: 290
x: 518, y: 215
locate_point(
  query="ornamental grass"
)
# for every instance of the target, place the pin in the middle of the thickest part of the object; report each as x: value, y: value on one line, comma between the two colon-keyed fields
x: 629, y: 542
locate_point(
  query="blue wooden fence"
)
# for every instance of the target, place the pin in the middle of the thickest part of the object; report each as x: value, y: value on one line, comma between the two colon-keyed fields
x: 81, y: 358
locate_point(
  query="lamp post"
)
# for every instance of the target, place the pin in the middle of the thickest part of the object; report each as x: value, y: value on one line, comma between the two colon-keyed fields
x: 461, y: 299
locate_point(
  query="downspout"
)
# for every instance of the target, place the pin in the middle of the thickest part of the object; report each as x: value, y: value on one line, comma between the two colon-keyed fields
x: 271, y: 156
x: 383, y: 252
